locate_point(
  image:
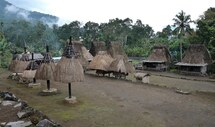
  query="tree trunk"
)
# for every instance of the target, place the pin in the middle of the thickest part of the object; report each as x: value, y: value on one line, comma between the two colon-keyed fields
x: 180, y: 51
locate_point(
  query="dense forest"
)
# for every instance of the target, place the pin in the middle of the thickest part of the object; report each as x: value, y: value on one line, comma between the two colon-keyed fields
x: 136, y: 37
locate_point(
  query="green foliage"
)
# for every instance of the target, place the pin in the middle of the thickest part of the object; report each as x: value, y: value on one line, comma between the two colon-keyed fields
x: 206, y: 30
x: 5, y: 55
x: 34, y: 35
x: 137, y: 38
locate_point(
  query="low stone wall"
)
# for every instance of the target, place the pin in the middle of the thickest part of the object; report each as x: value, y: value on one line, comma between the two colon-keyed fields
x: 17, y: 113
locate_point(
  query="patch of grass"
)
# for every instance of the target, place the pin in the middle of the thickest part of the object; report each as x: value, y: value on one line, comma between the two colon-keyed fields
x: 135, y: 62
x: 173, y: 70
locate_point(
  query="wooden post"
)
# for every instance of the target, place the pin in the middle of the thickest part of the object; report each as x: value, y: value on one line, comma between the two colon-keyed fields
x: 48, y: 84
x: 70, y: 90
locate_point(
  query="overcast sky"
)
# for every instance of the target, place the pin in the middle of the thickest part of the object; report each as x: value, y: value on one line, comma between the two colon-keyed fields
x: 156, y: 13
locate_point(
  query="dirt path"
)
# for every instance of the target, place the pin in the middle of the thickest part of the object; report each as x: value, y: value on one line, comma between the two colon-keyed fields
x: 107, y: 102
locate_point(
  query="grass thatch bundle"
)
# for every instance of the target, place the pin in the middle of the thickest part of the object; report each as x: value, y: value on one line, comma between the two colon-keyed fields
x: 47, y: 58
x: 29, y: 74
x: 160, y: 53
x: 96, y: 47
x: 197, y: 54
x: 30, y: 70
x: 115, y: 49
x: 86, y: 54
x: 69, y: 70
x: 45, y: 71
x: 18, y: 66
x: 122, y: 65
x: 101, y: 61
x: 82, y: 53
x: 12, y: 65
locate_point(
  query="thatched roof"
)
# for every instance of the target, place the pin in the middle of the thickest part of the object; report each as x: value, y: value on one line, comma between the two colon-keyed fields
x: 86, y: 54
x: 47, y: 58
x: 32, y: 65
x: 77, y: 47
x: 115, y: 49
x: 122, y: 65
x: 197, y: 54
x: 25, y: 57
x: 45, y: 71
x: 101, y: 61
x: 30, y: 74
x: 82, y: 53
x: 159, y: 53
x: 96, y: 47
x: 69, y: 70
x: 18, y: 66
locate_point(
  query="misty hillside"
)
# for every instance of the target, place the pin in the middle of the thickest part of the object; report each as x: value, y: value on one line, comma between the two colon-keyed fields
x: 9, y: 11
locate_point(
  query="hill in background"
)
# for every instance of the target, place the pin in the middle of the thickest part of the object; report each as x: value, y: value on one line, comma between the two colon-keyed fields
x: 10, y: 12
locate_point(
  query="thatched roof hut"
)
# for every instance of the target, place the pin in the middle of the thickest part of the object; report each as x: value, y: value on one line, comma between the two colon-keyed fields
x: 121, y: 65
x: 195, y: 60
x: 115, y: 49
x: 101, y: 61
x: 160, y: 54
x: 18, y: 65
x: 197, y: 54
x: 69, y: 70
x: 159, y: 59
x: 82, y: 53
x: 31, y: 69
x: 86, y: 54
x: 46, y: 69
x: 96, y: 47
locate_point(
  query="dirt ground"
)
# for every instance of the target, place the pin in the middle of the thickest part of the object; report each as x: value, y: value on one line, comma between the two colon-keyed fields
x: 108, y: 102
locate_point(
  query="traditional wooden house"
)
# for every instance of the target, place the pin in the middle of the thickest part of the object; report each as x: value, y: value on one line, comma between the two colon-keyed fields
x: 96, y: 47
x: 45, y: 72
x: 158, y: 60
x: 19, y: 62
x: 69, y: 70
x: 195, y: 61
x: 121, y: 67
x: 101, y: 63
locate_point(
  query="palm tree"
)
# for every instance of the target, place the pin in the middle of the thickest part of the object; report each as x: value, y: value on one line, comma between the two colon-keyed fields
x: 182, y: 26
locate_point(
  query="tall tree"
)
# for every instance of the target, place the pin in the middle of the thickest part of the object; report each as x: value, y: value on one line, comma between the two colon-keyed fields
x: 206, y: 30
x: 182, y: 26
x: 91, y: 32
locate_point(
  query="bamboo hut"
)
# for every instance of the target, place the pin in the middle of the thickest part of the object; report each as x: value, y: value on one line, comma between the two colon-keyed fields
x: 121, y: 67
x: 101, y: 63
x: 96, y: 47
x: 115, y: 49
x: 45, y: 70
x: 195, y: 61
x: 158, y: 60
x: 69, y: 70
x: 19, y: 62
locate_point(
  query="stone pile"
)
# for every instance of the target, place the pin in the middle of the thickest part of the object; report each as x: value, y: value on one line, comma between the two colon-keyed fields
x: 25, y: 116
